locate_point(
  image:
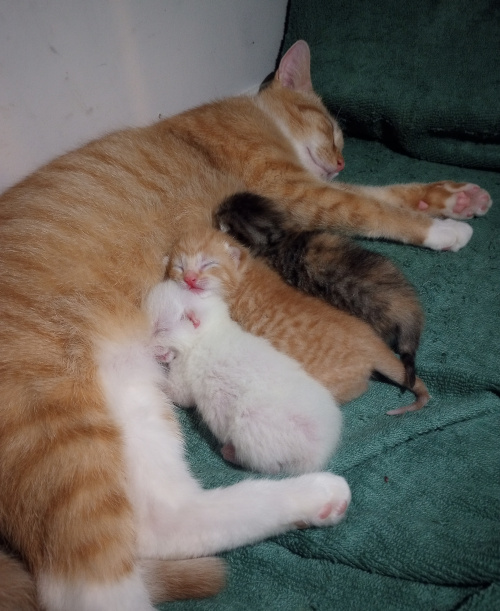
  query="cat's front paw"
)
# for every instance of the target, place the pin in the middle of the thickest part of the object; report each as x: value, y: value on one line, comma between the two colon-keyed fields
x: 325, y: 499
x: 447, y: 235
x: 456, y: 200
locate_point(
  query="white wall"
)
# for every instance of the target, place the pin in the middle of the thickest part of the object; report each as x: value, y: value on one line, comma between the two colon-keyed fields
x: 73, y: 69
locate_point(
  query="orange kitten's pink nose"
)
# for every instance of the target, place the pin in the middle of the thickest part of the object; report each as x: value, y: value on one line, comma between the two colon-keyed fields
x: 340, y: 164
x: 190, y: 279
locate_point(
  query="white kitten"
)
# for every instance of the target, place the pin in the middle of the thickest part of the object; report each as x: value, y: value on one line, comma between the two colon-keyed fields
x: 270, y: 415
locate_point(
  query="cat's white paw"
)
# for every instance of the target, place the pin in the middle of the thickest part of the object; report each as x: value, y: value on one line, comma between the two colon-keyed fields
x: 448, y: 235
x: 324, y: 499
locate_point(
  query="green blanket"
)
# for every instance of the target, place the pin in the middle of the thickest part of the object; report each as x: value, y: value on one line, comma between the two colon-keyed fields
x: 421, y: 76
x: 423, y: 530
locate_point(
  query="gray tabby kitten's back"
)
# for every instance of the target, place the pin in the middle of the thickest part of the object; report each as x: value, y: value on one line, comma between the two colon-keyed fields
x: 332, y: 267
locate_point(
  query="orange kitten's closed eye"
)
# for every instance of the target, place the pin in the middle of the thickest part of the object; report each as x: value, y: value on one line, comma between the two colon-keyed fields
x: 205, y: 261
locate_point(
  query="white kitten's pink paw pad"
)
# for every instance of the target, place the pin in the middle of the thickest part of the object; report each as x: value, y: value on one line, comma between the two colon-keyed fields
x: 326, y: 499
x: 466, y: 202
x: 164, y: 355
x: 447, y: 235
x: 228, y: 452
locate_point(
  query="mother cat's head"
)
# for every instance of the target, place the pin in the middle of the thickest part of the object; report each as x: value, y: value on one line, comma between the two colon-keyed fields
x: 290, y: 98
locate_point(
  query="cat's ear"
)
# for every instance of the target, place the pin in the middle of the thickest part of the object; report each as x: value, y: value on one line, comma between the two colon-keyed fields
x: 234, y: 253
x: 294, y: 71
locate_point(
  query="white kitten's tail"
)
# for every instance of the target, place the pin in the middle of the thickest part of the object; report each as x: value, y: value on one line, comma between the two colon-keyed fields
x: 17, y: 587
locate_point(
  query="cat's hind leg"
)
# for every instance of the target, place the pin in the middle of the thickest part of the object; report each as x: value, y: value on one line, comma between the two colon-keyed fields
x: 211, y: 521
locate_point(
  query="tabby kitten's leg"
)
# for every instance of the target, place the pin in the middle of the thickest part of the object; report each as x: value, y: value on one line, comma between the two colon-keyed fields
x: 440, y: 199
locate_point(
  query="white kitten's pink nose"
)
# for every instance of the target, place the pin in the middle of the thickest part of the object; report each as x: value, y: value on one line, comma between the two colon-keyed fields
x: 340, y: 163
x: 190, y: 278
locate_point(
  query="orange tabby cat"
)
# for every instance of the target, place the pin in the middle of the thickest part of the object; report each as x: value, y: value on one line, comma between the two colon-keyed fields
x: 339, y: 350
x: 83, y: 498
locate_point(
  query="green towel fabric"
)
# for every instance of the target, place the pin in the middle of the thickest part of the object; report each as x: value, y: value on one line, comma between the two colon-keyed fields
x: 423, y: 530
x: 423, y: 76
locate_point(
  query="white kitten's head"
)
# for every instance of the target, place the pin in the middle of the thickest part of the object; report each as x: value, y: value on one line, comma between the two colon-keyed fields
x: 166, y: 305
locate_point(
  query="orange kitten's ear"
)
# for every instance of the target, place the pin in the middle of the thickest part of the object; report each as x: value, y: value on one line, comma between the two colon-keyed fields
x: 234, y: 253
x: 294, y: 71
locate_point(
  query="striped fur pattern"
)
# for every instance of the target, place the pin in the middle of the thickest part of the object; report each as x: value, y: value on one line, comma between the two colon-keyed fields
x: 338, y: 349
x: 331, y: 267
x: 83, y: 414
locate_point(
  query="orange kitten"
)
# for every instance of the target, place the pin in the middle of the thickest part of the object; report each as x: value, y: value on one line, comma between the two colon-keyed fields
x: 81, y: 244
x: 339, y: 350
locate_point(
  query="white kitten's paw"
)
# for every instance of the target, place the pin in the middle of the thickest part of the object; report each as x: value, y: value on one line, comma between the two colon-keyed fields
x: 324, y: 499
x: 163, y: 354
x: 448, y: 235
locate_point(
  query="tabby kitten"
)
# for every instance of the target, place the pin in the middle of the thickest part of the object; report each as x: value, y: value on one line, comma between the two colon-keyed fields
x: 341, y: 354
x: 332, y: 267
x: 268, y: 413
x: 81, y: 245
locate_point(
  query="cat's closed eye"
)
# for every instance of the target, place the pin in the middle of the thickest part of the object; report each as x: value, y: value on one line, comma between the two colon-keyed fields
x: 209, y: 264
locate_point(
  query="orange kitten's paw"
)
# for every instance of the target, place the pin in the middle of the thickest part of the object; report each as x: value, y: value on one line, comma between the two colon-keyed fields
x: 327, y: 497
x: 447, y: 235
x: 456, y: 200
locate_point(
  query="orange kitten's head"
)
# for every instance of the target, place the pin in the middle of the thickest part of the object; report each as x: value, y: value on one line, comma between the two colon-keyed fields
x: 206, y: 260
x: 290, y: 99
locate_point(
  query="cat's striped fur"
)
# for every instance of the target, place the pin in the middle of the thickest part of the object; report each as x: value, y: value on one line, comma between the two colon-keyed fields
x: 338, y: 349
x: 83, y: 498
x: 332, y: 267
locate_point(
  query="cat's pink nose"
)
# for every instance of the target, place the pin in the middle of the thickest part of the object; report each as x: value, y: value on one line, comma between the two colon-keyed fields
x: 340, y: 164
x: 190, y: 279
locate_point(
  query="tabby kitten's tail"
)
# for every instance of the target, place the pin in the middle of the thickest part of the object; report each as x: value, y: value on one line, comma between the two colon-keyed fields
x: 332, y: 267
x: 17, y: 587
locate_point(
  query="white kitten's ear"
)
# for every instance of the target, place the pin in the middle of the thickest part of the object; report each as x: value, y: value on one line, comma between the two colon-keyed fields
x: 294, y: 71
x: 234, y: 253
